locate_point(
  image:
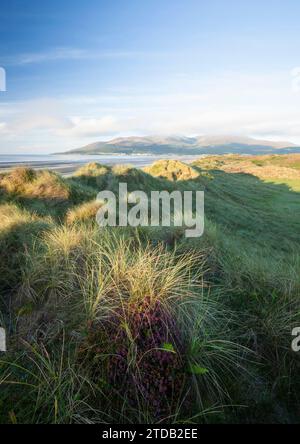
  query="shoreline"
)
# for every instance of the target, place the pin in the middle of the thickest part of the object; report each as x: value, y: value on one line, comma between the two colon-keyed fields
x: 65, y: 167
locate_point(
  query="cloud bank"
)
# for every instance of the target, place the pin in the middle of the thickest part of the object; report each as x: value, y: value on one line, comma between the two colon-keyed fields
x: 234, y: 103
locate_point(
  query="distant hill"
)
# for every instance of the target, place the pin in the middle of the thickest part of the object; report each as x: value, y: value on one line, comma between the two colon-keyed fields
x: 187, y: 146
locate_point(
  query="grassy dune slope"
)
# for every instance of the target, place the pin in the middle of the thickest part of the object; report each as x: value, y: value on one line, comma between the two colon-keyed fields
x: 144, y: 325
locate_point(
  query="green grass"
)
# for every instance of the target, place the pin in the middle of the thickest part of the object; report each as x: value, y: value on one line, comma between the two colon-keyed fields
x: 142, y: 325
x: 293, y: 184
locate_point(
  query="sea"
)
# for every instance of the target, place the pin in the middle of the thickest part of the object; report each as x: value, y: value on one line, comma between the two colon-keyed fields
x: 33, y: 160
x: 71, y: 158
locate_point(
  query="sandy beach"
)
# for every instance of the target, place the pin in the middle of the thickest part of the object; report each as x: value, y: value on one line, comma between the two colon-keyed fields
x: 63, y: 168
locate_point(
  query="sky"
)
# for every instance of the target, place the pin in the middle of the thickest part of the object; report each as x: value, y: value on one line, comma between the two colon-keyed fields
x: 82, y: 71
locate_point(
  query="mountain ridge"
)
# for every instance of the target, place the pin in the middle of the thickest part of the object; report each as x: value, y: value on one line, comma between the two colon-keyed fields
x: 185, y: 145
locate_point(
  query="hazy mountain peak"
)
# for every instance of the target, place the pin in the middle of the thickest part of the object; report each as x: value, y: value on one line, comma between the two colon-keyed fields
x: 242, y: 140
x: 182, y: 145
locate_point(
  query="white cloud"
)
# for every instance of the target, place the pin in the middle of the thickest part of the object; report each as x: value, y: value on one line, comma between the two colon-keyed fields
x: 44, y: 114
x: 91, y: 127
x: 241, y: 104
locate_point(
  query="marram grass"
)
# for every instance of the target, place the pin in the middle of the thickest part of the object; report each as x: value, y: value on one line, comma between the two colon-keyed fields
x: 142, y: 325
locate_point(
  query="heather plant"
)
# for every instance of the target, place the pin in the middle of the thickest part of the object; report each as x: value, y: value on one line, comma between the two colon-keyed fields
x: 145, y: 363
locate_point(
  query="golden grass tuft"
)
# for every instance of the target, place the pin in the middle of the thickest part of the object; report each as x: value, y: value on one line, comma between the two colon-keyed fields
x: 49, y: 185
x: 12, y: 216
x: 172, y: 170
x: 62, y: 241
x: 17, y: 179
x: 122, y: 170
x: 92, y: 169
x: 29, y: 183
x: 83, y: 213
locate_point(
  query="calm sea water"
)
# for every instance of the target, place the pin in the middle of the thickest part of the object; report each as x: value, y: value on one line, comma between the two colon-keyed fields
x: 32, y: 159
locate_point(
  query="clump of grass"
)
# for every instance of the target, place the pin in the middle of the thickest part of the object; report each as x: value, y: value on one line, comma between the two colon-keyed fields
x: 16, y: 180
x: 44, y: 192
x: 49, y: 282
x: 93, y: 174
x: 92, y: 169
x: 142, y: 303
x: 172, y: 170
x: 50, y: 387
x: 85, y: 212
x: 134, y: 178
x: 49, y: 185
x: 130, y: 305
x: 28, y: 183
x: 18, y: 232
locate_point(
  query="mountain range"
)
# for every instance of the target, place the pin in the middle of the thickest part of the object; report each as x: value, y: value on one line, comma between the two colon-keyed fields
x: 181, y: 145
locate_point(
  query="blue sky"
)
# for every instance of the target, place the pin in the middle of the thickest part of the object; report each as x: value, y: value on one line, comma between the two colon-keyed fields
x: 78, y: 72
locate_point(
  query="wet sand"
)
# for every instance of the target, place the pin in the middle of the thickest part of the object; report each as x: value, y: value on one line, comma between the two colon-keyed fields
x: 59, y: 167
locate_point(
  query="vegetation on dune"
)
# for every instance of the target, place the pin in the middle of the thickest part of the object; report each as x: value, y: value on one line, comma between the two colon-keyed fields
x: 83, y: 213
x: 43, y: 192
x: 104, y: 177
x: 172, y: 170
x: 141, y: 324
x: 264, y: 167
x: 93, y: 174
x: 18, y: 232
x: 25, y: 182
x: 127, y: 310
